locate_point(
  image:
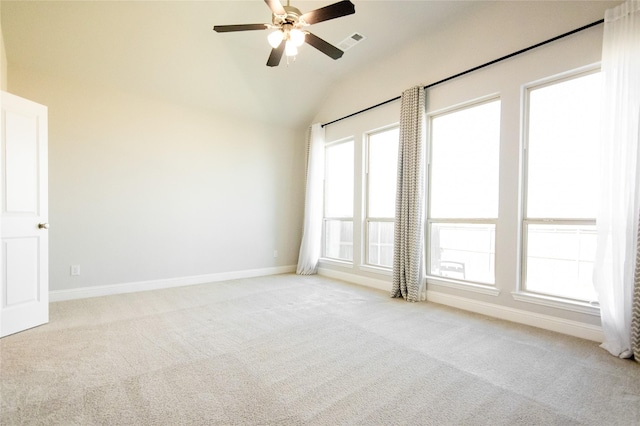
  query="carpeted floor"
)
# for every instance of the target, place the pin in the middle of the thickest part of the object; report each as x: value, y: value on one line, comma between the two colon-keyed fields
x: 291, y: 350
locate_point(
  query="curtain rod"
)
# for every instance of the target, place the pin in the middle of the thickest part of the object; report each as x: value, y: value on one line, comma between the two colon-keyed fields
x: 511, y: 55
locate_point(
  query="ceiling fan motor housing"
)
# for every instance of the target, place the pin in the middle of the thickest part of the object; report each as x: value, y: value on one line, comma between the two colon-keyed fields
x: 292, y: 17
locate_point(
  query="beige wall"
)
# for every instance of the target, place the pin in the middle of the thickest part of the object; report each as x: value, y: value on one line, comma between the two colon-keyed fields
x: 467, y: 41
x: 3, y: 60
x: 141, y: 189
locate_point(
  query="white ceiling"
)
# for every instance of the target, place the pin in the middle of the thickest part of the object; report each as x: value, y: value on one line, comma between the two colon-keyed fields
x: 169, y: 49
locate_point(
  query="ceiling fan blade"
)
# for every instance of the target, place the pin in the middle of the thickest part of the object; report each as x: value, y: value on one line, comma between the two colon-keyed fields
x: 326, y: 48
x: 276, y: 7
x: 336, y: 10
x: 242, y: 27
x: 276, y: 55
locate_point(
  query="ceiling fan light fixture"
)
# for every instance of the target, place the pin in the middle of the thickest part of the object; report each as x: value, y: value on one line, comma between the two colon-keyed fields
x: 296, y: 37
x: 275, y: 38
x: 290, y: 49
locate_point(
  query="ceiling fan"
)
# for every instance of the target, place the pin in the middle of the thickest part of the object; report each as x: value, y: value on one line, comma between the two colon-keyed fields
x: 290, y: 25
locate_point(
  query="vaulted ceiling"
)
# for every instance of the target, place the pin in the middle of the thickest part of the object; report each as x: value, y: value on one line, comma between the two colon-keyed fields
x: 168, y: 49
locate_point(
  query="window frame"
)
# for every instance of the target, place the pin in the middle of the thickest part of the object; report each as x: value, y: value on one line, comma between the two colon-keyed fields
x: 522, y: 293
x: 481, y: 287
x: 341, y: 219
x: 367, y: 218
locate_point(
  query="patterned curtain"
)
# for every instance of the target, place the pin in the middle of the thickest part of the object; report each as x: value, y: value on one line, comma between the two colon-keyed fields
x: 408, y: 256
x: 312, y: 232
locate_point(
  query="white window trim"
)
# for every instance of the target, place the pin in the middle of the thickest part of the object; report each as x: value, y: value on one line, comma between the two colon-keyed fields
x: 590, y: 308
x: 325, y: 218
x: 323, y: 247
x: 464, y: 221
x: 381, y: 270
x: 336, y: 262
x: 460, y: 106
x: 487, y: 289
x: 484, y: 288
x: 522, y: 294
x: 365, y: 259
x: 365, y: 223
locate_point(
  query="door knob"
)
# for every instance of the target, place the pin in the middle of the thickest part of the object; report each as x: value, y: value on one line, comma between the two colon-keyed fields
x: 43, y: 226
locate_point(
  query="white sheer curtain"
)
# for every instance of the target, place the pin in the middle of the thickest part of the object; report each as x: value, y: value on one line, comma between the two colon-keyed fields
x: 312, y: 231
x: 619, y: 187
x: 408, y: 242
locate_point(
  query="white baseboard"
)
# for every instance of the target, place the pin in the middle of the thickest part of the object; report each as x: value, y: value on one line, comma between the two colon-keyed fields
x: 356, y: 279
x: 108, y: 290
x: 547, y: 322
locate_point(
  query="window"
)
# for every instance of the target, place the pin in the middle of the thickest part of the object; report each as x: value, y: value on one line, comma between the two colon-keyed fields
x: 382, y: 166
x: 463, y: 192
x: 338, y: 201
x: 562, y: 131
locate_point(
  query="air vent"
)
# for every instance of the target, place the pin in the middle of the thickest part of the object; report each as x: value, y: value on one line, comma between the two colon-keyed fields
x: 350, y: 41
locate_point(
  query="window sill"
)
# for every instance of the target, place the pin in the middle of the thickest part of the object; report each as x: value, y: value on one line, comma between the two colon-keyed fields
x: 376, y: 270
x: 467, y: 286
x: 556, y: 302
x: 335, y: 262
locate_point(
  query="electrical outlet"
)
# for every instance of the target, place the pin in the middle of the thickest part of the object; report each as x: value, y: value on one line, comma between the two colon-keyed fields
x: 275, y: 253
x: 75, y: 270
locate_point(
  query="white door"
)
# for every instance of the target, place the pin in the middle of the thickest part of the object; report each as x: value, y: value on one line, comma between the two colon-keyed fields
x: 24, y: 241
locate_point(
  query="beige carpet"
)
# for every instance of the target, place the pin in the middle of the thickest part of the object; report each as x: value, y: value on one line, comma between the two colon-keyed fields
x: 290, y: 350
